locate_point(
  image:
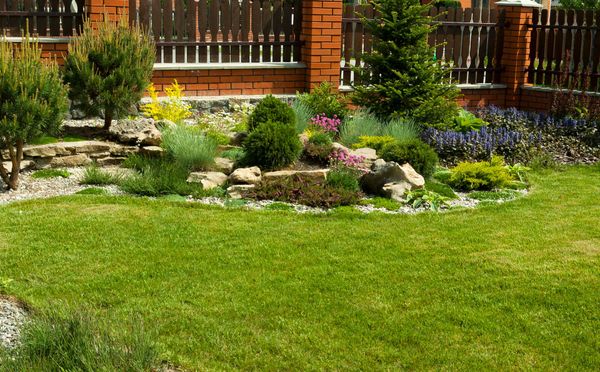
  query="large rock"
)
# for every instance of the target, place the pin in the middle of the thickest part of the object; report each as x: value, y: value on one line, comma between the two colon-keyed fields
x: 70, y: 161
x: 86, y: 147
x: 25, y: 165
x: 152, y: 150
x: 224, y: 165
x: 209, y: 180
x: 140, y: 131
x: 390, y: 178
x: 245, y: 176
x: 317, y: 175
x: 46, y: 151
x: 237, y: 191
x: 396, y: 190
x: 123, y: 150
x: 367, y: 154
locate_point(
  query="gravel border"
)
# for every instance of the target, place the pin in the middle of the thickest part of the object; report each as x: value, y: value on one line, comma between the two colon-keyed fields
x: 32, y: 188
x: 12, y: 317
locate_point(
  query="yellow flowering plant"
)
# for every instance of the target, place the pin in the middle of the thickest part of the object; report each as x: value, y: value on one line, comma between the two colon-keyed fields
x: 173, y: 108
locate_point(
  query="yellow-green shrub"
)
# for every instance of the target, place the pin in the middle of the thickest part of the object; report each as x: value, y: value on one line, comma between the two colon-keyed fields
x: 173, y: 108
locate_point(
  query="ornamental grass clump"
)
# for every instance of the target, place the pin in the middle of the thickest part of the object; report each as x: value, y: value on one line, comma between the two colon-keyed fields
x: 33, y: 102
x: 188, y: 147
x: 108, y: 68
x: 76, y: 341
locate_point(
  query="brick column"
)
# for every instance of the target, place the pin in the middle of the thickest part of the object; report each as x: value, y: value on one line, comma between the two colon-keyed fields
x: 515, y: 53
x: 322, y: 36
x: 96, y: 9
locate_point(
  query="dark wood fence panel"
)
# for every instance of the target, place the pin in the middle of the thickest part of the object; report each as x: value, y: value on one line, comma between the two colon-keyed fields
x: 41, y: 17
x: 468, y: 41
x: 565, y: 49
x: 222, y: 31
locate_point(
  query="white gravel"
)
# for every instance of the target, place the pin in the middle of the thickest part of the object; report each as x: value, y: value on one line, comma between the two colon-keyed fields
x: 12, y: 317
x: 36, y: 188
x: 32, y: 188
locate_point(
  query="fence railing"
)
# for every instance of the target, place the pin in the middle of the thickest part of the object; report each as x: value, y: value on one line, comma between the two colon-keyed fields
x: 222, y: 31
x: 468, y: 41
x: 565, y: 49
x: 41, y: 17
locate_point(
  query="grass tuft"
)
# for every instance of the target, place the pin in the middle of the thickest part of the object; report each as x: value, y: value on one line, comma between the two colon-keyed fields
x: 63, y: 340
x: 50, y: 173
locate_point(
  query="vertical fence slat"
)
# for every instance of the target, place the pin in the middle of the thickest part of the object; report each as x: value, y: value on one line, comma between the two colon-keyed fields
x: 276, y: 31
x: 287, y: 30
x: 202, y: 28
x: 192, y: 29
x: 42, y: 21
x: 235, y: 30
x: 255, y: 25
x: 245, y: 30
x: 168, y: 30
x: 213, y: 26
x: 550, y: 62
x: 225, y: 30
x: 157, y: 22
x: 267, y: 24
x: 179, y: 30
x: 297, y: 29
x: 595, y: 54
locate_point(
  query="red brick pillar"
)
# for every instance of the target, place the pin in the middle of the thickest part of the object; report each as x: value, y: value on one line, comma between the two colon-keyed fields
x: 114, y: 9
x: 515, y: 53
x: 322, y: 36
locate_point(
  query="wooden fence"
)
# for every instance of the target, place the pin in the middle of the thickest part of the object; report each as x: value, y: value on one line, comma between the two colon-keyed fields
x: 565, y: 49
x: 222, y: 31
x: 41, y: 17
x: 469, y: 41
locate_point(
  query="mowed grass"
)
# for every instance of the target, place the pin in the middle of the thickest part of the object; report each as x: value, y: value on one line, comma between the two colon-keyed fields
x: 513, y: 286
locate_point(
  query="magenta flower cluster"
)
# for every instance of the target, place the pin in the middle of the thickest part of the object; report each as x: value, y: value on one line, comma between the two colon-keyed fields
x: 341, y: 157
x: 327, y: 124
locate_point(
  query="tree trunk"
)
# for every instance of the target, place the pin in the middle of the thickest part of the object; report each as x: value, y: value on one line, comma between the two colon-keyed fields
x: 16, y: 154
x: 107, y: 119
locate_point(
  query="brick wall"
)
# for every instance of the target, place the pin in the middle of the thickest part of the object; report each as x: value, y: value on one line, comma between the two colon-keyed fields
x: 321, y: 54
x: 233, y: 82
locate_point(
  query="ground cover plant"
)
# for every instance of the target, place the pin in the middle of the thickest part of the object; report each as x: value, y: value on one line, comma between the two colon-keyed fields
x: 233, y: 289
x: 50, y: 173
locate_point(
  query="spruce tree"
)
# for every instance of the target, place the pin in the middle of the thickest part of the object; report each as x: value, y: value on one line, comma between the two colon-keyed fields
x: 401, y: 77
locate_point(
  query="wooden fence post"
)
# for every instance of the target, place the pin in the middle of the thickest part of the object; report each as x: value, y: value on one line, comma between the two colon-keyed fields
x: 517, y: 41
x: 322, y: 37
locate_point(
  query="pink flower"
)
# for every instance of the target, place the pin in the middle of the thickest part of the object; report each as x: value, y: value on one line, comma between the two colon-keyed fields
x: 341, y: 157
x: 327, y: 124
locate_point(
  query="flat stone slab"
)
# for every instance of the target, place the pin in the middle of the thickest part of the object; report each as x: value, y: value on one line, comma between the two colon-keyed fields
x: 318, y: 174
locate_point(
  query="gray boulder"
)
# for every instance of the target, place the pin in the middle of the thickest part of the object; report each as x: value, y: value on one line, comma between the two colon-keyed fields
x: 209, y: 180
x: 237, y: 191
x: 140, y: 131
x: 224, y: 165
x: 245, y: 176
x: 391, y: 179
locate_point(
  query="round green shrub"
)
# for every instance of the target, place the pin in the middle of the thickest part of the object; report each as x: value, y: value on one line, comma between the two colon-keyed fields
x: 272, y: 145
x: 271, y: 109
x: 318, y: 148
x: 418, y: 154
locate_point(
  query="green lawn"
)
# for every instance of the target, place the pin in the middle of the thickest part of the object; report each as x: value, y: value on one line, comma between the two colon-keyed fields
x: 515, y: 286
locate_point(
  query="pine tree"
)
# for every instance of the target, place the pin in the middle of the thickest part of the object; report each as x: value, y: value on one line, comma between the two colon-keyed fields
x: 401, y: 78
x: 109, y: 68
x: 33, y: 102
